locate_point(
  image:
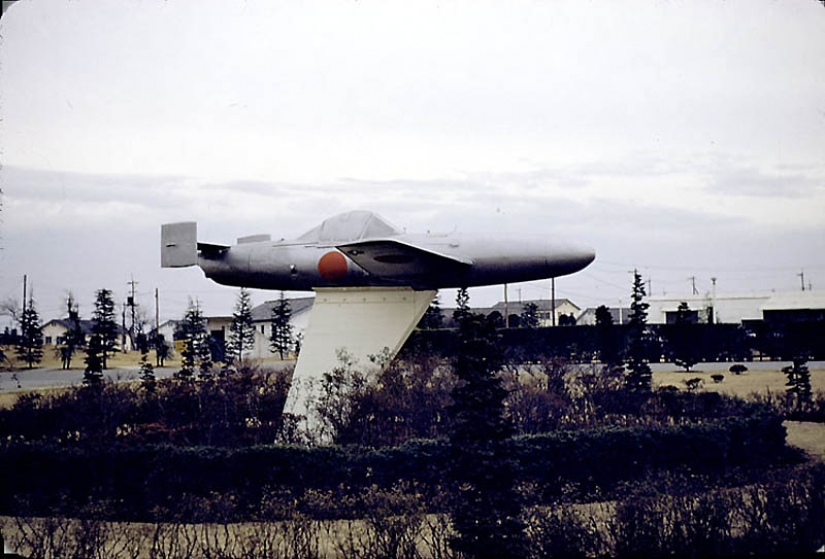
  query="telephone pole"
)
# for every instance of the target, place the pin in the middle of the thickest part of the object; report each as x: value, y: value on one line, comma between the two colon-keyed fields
x: 131, y: 302
x: 157, y: 313
x: 713, y: 302
x: 801, y: 275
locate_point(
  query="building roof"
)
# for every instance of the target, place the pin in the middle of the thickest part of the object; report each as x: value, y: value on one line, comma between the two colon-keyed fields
x: 65, y: 323
x: 795, y: 300
x: 263, y: 312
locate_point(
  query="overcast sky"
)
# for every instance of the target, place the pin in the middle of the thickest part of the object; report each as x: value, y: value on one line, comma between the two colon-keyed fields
x: 685, y: 139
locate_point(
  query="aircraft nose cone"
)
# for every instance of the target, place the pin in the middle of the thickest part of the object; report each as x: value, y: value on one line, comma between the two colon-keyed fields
x: 568, y: 258
x: 586, y: 255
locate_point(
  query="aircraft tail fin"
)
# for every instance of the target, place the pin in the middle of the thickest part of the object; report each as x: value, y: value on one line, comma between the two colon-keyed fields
x: 179, y: 244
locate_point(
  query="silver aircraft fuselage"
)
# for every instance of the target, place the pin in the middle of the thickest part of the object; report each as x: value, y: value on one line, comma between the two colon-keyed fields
x: 359, y: 249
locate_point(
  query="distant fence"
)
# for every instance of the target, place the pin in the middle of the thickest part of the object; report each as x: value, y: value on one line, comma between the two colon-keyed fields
x: 707, y: 342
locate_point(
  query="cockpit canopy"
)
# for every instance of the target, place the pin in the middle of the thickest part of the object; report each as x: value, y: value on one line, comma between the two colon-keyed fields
x: 348, y: 227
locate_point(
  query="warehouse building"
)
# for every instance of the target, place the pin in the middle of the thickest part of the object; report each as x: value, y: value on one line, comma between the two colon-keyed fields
x: 792, y: 306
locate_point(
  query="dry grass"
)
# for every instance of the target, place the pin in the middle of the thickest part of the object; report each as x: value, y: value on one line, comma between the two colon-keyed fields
x: 738, y: 385
x: 51, y: 359
x: 810, y: 437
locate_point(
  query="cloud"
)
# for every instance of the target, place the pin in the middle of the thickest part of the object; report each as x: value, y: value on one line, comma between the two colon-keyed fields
x: 776, y: 183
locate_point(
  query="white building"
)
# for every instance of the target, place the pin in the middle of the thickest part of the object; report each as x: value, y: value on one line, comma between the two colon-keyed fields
x: 620, y: 315
x: 738, y: 308
x: 54, y: 331
x: 262, y: 319
x: 544, y: 310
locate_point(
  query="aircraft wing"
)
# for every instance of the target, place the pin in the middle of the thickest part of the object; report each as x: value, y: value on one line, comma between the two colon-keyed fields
x: 396, y: 258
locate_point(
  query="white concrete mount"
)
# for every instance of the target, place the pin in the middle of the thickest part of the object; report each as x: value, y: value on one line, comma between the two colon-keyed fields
x: 363, y: 322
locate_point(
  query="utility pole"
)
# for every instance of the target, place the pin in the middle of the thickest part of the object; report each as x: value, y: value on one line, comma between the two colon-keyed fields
x: 553, y: 299
x: 713, y: 302
x: 25, y: 280
x: 131, y: 302
x: 157, y: 313
x: 802, y: 279
x: 123, y: 330
x: 693, y: 282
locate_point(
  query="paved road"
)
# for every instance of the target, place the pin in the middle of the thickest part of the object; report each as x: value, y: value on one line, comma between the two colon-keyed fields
x: 55, y: 377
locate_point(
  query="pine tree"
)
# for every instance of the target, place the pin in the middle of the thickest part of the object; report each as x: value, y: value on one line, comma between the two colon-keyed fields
x: 147, y: 370
x: 93, y: 374
x: 30, y: 343
x: 530, y: 316
x: 682, y: 340
x: 486, y: 512
x: 432, y: 319
x: 241, y: 331
x: 196, y: 348
x: 638, y: 375
x: 799, y: 381
x: 104, y: 325
x: 462, y: 308
x: 607, y: 336
x: 280, y: 336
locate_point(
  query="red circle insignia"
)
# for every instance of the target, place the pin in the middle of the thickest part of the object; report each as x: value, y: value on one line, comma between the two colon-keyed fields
x: 332, y: 266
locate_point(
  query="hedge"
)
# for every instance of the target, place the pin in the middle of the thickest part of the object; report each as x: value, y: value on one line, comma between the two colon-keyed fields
x: 137, y: 482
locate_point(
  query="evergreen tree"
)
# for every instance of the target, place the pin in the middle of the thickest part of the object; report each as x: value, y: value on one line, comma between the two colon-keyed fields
x: 147, y: 370
x: 486, y: 512
x: 432, y: 319
x: 603, y: 316
x: 530, y: 315
x: 638, y: 375
x: 104, y: 324
x: 280, y: 336
x: 462, y: 305
x: 196, y: 348
x: 682, y: 342
x: 607, y: 336
x: 241, y: 331
x: 30, y: 343
x: 799, y: 381
x: 93, y: 374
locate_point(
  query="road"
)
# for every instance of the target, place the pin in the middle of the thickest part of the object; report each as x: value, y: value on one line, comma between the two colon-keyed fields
x: 55, y: 377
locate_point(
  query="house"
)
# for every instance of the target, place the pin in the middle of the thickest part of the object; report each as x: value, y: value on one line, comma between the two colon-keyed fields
x: 544, y: 310
x: 167, y: 330
x: 54, y: 331
x: 262, y: 320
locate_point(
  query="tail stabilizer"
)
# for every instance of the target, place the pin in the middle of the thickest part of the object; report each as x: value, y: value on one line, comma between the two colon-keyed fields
x: 179, y: 244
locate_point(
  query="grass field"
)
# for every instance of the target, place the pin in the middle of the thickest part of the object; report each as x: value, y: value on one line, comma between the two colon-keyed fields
x: 738, y: 385
x: 51, y: 359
